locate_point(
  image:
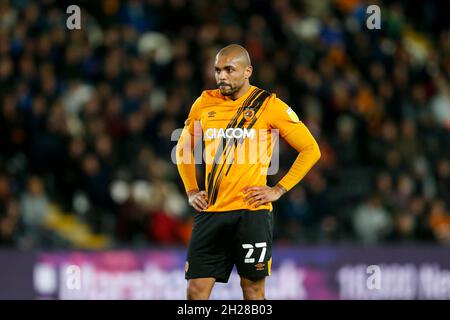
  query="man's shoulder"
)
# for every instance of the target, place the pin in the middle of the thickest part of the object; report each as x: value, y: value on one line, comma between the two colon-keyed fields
x: 273, y: 100
x: 209, y: 95
x: 208, y: 98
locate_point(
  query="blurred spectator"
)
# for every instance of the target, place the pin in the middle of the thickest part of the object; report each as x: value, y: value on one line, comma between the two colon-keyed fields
x: 371, y: 221
x: 35, y: 208
x: 404, y: 227
x: 439, y: 221
x: 440, y: 103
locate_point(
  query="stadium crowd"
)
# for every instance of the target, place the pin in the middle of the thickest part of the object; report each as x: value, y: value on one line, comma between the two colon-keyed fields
x: 87, y: 116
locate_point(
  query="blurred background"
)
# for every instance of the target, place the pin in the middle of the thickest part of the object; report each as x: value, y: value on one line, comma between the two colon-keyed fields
x: 86, y: 119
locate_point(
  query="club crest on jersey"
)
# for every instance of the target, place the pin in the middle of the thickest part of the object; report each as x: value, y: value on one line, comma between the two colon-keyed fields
x: 249, y: 113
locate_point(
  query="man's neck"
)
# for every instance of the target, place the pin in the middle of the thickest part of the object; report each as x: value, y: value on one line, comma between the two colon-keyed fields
x: 241, y: 92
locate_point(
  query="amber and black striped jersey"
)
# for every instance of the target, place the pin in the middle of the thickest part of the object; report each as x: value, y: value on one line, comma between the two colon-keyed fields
x: 238, y: 139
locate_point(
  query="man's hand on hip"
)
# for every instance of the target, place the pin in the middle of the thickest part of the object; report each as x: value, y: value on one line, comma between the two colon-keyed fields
x: 198, y: 200
x: 263, y: 194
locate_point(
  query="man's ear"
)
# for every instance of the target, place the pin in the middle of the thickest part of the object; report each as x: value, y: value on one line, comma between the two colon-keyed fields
x: 248, y: 72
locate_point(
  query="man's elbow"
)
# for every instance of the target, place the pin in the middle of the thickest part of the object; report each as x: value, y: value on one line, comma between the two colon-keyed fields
x: 316, y: 154
x: 312, y: 152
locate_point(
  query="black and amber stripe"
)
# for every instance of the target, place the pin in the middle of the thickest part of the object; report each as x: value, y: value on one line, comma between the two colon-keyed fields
x: 251, y: 124
x: 224, y: 144
x: 232, y: 123
x: 256, y: 105
x: 255, y: 101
